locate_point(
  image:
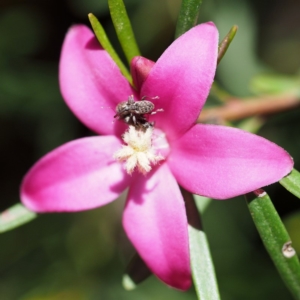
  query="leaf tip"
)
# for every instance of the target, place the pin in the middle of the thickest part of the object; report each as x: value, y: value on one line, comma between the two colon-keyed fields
x: 91, y: 16
x: 128, y: 283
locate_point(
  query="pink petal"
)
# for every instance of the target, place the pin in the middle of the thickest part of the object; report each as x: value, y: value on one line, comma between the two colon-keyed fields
x: 90, y: 81
x: 182, y: 78
x: 76, y: 176
x: 223, y: 162
x: 140, y: 68
x: 155, y: 222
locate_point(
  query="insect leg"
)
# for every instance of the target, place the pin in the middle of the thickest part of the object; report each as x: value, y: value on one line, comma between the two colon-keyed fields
x: 156, y: 111
x: 134, y: 119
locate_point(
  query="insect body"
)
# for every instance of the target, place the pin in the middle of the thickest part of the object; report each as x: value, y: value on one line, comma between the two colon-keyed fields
x: 133, y: 112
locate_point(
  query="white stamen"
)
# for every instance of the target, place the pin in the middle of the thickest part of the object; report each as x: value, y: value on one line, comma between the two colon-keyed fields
x: 139, y: 151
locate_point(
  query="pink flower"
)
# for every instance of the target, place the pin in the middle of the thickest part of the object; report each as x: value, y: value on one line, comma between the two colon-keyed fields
x: 214, y: 161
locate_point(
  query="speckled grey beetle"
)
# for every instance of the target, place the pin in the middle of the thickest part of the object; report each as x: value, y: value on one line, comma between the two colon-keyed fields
x: 133, y: 112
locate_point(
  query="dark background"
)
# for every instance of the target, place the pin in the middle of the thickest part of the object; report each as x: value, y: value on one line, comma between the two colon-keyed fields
x: 83, y: 255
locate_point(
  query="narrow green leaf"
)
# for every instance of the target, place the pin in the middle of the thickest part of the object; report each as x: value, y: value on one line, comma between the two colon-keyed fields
x: 123, y: 29
x: 276, y: 239
x: 202, y: 203
x: 202, y: 265
x: 105, y: 43
x: 223, y: 46
x: 188, y: 16
x: 136, y: 272
x: 292, y: 224
x: 292, y: 182
x: 272, y: 83
x: 15, y: 216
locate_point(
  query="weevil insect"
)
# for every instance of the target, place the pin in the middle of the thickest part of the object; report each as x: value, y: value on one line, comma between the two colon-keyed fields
x: 133, y: 112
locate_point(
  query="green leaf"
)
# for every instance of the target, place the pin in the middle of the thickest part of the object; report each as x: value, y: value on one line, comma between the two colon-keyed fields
x: 292, y: 224
x: 292, y: 182
x: 223, y: 46
x: 202, y: 265
x: 123, y: 29
x: 15, y: 216
x: 188, y: 16
x: 276, y: 239
x: 105, y: 43
x: 202, y: 203
x: 274, y: 84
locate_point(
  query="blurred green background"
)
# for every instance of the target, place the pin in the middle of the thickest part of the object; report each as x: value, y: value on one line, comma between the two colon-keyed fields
x: 83, y: 255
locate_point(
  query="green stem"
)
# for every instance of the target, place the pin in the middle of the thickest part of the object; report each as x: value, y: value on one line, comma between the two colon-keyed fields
x: 292, y: 182
x: 202, y: 265
x: 223, y: 46
x: 275, y: 239
x: 188, y: 16
x: 123, y: 29
x: 105, y: 43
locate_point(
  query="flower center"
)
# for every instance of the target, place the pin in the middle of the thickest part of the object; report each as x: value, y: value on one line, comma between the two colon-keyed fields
x: 143, y: 148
